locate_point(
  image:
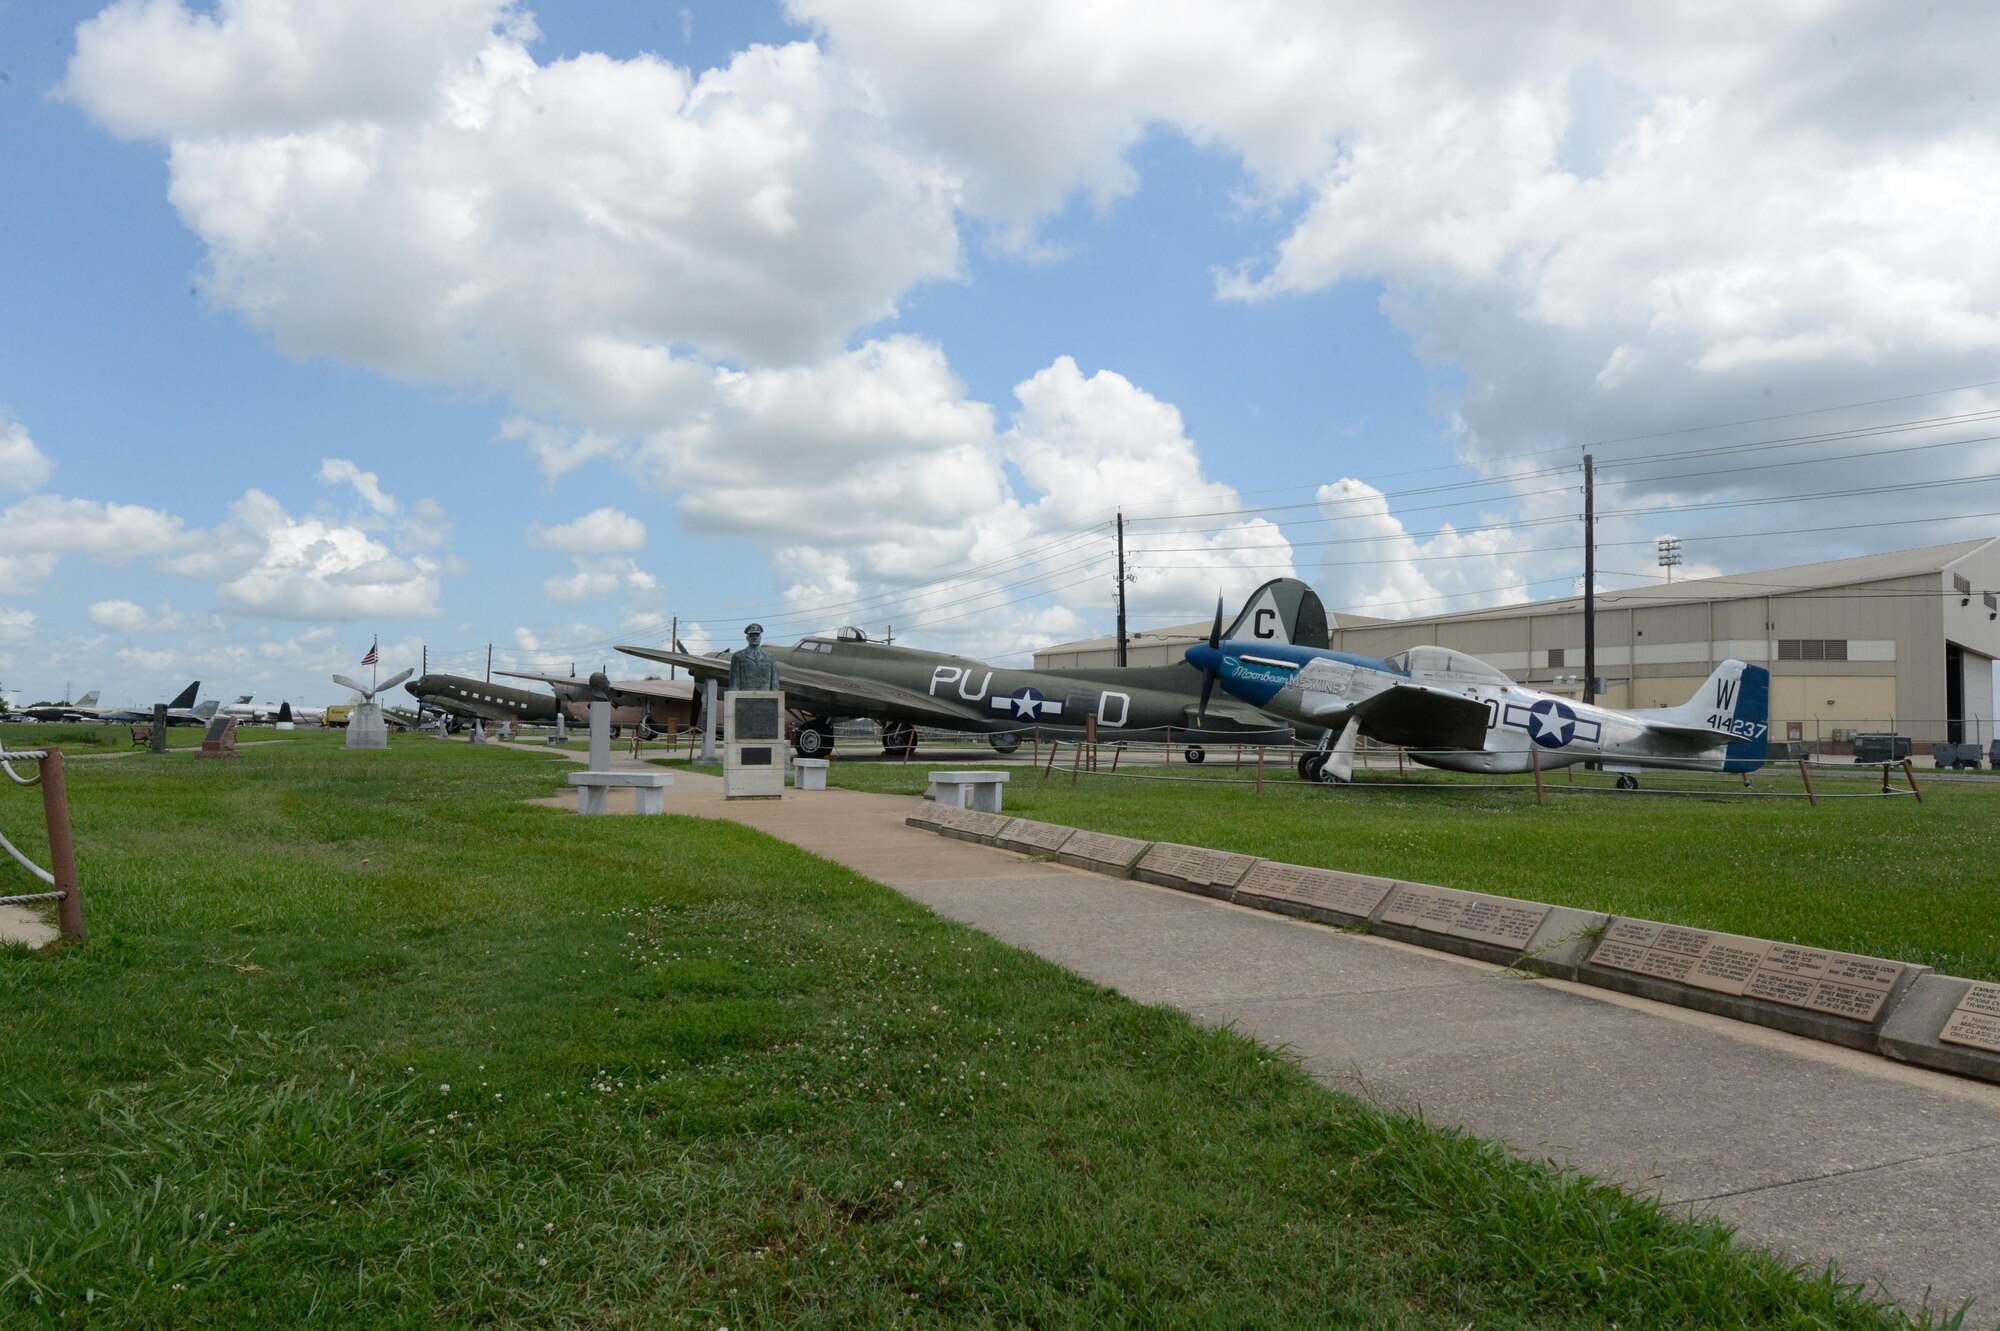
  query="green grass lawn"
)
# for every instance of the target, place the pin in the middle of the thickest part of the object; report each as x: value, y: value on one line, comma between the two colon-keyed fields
x: 360, y: 1040
x: 88, y: 739
x: 1886, y: 877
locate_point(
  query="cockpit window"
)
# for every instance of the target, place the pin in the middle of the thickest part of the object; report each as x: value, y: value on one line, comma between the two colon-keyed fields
x: 1444, y: 661
x: 851, y: 634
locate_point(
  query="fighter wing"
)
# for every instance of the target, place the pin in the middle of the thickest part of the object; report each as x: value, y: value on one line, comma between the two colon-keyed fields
x: 1418, y: 716
x: 832, y: 694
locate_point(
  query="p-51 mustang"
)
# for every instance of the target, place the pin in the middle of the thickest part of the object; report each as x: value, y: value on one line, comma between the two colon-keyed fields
x: 831, y: 678
x: 1455, y: 712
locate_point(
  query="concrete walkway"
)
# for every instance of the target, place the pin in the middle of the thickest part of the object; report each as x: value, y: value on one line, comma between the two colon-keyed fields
x: 1818, y: 1152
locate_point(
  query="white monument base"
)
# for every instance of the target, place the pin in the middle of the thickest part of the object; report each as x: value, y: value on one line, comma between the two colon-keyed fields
x: 365, y: 727
x: 753, y: 751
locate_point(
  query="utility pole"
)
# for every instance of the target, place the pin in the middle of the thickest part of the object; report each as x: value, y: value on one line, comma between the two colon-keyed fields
x: 674, y: 644
x: 890, y: 640
x: 1589, y: 580
x: 489, y: 663
x: 1121, y: 587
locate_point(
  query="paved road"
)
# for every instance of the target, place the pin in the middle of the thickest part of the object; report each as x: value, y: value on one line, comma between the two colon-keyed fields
x: 1819, y: 1152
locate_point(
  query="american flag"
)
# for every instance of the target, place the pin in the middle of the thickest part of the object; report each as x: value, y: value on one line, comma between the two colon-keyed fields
x: 373, y: 657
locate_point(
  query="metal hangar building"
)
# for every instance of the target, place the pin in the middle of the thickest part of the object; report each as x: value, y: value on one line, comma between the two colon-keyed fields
x: 1901, y: 642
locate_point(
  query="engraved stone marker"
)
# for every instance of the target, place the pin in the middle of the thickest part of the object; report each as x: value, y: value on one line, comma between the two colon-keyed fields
x: 1346, y: 894
x: 1032, y: 838
x: 1102, y: 852
x: 970, y: 824
x: 1421, y: 906
x: 1503, y: 923
x: 1210, y: 872
x: 1813, y: 979
x: 1976, y: 1020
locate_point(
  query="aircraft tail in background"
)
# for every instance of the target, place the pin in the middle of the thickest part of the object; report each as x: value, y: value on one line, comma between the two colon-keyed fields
x: 1735, y: 703
x: 87, y: 700
x: 1282, y: 610
x: 186, y: 696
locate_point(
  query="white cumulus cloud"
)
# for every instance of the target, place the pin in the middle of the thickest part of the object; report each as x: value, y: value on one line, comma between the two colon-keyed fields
x: 600, y: 531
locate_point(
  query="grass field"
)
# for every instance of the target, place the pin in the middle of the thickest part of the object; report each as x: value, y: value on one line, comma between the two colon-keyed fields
x: 1886, y: 877
x: 83, y: 739
x: 363, y: 1041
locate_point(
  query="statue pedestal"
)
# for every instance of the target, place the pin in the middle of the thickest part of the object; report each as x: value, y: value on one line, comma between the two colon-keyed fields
x: 365, y: 727
x: 753, y: 750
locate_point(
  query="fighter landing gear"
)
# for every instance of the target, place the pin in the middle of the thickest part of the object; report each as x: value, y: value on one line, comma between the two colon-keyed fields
x: 1196, y: 754
x: 1626, y: 781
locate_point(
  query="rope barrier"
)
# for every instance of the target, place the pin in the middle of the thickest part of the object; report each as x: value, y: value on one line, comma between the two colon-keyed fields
x: 32, y: 897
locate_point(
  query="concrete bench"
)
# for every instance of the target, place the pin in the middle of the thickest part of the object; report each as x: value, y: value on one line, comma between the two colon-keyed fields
x: 809, y: 773
x: 648, y: 790
x: 978, y: 791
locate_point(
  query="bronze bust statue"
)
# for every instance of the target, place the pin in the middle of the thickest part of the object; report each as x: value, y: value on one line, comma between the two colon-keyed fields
x: 752, y: 667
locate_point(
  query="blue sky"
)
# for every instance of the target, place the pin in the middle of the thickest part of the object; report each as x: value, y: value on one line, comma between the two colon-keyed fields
x: 466, y: 322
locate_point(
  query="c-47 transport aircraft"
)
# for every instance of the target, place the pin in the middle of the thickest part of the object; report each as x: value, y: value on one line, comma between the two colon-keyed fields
x: 827, y: 679
x: 1455, y: 712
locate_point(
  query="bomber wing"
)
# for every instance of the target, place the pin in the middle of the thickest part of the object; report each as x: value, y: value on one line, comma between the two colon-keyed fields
x: 822, y: 690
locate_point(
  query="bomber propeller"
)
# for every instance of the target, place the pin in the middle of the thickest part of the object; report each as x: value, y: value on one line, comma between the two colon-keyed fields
x: 1208, y: 674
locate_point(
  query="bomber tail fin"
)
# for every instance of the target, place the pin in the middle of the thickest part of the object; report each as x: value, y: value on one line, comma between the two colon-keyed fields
x: 87, y: 700
x: 186, y: 696
x: 284, y: 711
x: 207, y: 710
x: 1283, y: 610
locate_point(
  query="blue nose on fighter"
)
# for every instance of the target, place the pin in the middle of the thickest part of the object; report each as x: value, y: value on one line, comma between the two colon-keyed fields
x: 1455, y: 712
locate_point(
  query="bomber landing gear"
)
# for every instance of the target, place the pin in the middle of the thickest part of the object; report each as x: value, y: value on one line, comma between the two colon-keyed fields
x: 1626, y: 781
x: 812, y: 738
x: 899, y: 740
x: 1005, y: 743
x: 1196, y: 754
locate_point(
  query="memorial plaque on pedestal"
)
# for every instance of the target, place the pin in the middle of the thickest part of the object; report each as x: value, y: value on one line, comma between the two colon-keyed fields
x: 1102, y: 852
x: 753, y: 755
x: 1192, y: 869
x: 1975, y: 1022
x: 1348, y: 895
x: 1032, y: 838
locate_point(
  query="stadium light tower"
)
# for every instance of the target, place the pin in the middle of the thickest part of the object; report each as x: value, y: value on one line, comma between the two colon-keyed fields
x: 1670, y: 554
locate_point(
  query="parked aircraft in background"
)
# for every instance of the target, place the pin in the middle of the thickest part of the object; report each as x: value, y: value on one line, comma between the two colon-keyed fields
x: 247, y: 712
x: 653, y: 705
x: 462, y: 697
x: 1455, y: 712
x: 827, y: 679
x: 180, y: 712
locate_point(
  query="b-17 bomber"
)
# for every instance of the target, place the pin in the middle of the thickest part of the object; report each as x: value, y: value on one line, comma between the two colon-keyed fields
x: 830, y: 678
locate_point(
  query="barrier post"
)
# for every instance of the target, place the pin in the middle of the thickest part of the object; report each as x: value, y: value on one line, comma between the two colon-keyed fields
x: 1911, y: 773
x: 1535, y: 755
x: 1076, y: 765
x: 1260, y: 770
x: 62, y: 850
x: 1806, y: 777
x: 1054, y: 744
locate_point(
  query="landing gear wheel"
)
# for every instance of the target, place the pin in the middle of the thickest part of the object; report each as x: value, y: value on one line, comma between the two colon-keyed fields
x: 812, y: 738
x: 898, y: 740
x: 1311, y: 766
x: 646, y: 728
x: 1326, y: 777
x: 1626, y: 781
x: 1004, y: 744
x: 1196, y: 754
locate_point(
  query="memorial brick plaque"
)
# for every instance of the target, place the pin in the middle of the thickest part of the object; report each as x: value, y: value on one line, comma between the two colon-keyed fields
x: 1619, y: 956
x: 964, y: 823
x: 1779, y: 987
x: 1863, y: 971
x: 1727, y: 964
x: 1501, y: 922
x: 1687, y: 942
x: 1421, y: 906
x: 1975, y: 1022
x: 1847, y: 1000
x: 1033, y: 838
x: 1666, y: 965
x: 1790, y: 959
x: 1100, y: 850
x: 925, y: 815
x: 1341, y: 893
x: 1636, y: 933
x: 1171, y: 865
